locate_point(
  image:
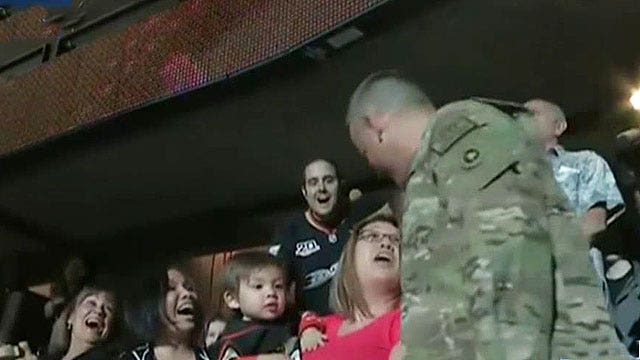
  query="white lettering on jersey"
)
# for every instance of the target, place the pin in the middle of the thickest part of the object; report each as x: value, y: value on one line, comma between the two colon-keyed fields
x: 319, y: 277
x: 307, y: 247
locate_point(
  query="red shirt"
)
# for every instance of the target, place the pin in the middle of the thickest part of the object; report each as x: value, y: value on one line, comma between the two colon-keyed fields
x: 372, y: 342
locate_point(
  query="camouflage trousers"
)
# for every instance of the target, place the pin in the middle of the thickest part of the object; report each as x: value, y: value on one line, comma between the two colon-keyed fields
x: 484, y: 290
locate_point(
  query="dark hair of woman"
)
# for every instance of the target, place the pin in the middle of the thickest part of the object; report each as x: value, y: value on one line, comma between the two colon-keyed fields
x: 145, y: 310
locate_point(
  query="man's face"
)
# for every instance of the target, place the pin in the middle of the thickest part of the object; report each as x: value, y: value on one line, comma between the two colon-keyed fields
x: 320, y: 187
x: 545, y: 121
x: 365, y: 139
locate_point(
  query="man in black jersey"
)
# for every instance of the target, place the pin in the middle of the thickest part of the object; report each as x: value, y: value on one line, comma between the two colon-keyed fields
x: 310, y: 242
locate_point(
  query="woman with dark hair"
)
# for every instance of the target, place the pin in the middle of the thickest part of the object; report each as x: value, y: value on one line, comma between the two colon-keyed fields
x: 366, y: 296
x: 168, y: 322
x: 91, y: 325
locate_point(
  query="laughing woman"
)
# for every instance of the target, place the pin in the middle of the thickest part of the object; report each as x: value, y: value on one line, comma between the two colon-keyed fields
x: 167, y: 323
x: 91, y: 323
x: 366, y: 295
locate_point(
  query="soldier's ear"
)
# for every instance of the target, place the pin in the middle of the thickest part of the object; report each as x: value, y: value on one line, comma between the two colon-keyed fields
x: 561, y: 126
x: 303, y: 190
x: 379, y: 121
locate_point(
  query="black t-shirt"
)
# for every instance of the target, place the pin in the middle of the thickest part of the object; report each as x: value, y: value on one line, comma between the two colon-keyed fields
x: 312, y: 254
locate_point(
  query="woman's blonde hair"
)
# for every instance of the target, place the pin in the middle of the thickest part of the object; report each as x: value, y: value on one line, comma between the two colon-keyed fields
x: 61, y: 334
x: 346, y: 291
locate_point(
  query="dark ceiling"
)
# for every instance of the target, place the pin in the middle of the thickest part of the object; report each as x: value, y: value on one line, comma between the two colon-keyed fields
x: 217, y: 167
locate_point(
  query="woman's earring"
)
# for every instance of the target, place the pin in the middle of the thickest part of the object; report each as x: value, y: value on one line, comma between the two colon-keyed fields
x: 68, y: 326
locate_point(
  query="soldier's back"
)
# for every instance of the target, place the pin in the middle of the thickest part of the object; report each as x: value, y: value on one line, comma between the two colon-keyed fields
x: 477, y: 271
x: 484, y: 221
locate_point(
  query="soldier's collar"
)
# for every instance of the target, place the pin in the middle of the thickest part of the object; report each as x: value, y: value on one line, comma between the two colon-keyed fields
x: 419, y: 154
x: 556, y: 150
x: 508, y: 107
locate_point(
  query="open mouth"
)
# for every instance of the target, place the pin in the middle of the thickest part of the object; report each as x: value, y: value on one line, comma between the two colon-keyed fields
x: 94, y: 323
x: 186, y: 310
x: 383, y: 258
x: 323, y: 198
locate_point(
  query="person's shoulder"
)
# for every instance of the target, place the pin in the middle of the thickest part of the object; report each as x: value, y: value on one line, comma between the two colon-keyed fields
x: 393, y: 323
x: 481, y: 104
x: 293, y: 221
x: 582, y: 154
x: 290, y: 226
x: 332, y: 319
x: 459, y: 118
x: 588, y: 158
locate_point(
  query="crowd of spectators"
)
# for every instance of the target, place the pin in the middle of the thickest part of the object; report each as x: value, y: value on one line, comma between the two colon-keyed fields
x: 330, y: 284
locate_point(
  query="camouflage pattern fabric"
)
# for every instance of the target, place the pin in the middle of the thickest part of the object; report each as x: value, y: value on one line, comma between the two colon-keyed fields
x: 483, y: 218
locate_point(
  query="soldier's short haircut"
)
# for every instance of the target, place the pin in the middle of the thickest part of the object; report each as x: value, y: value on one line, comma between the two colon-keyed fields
x: 346, y: 291
x: 385, y: 91
x: 554, y: 110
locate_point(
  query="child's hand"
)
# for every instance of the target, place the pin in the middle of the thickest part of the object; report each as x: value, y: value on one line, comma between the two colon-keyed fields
x: 311, y: 339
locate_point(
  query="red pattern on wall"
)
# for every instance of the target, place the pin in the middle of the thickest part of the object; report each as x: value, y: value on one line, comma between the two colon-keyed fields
x: 197, y: 43
x: 27, y: 25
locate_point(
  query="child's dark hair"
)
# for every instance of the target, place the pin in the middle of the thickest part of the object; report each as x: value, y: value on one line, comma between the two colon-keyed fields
x: 239, y: 268
x: 243, y: 264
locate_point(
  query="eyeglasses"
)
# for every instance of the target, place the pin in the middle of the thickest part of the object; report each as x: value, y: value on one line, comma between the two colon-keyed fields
x: 377, y: 237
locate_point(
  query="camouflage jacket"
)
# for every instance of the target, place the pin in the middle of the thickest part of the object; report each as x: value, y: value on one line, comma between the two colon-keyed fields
x: 493, y: 262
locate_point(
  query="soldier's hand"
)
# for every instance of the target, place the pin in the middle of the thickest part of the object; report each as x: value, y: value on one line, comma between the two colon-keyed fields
x: 311, y: 339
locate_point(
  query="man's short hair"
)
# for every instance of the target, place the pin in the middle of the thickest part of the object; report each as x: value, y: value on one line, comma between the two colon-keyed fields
x: 553, y: 109
x: 306, y: 165
x: 385, y: 91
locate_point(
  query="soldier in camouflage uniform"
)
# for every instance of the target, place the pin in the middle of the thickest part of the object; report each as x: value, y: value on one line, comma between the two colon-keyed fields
x: 483, y: 219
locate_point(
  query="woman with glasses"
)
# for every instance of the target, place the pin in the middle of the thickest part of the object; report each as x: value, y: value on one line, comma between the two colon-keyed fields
x: 366, y: 296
